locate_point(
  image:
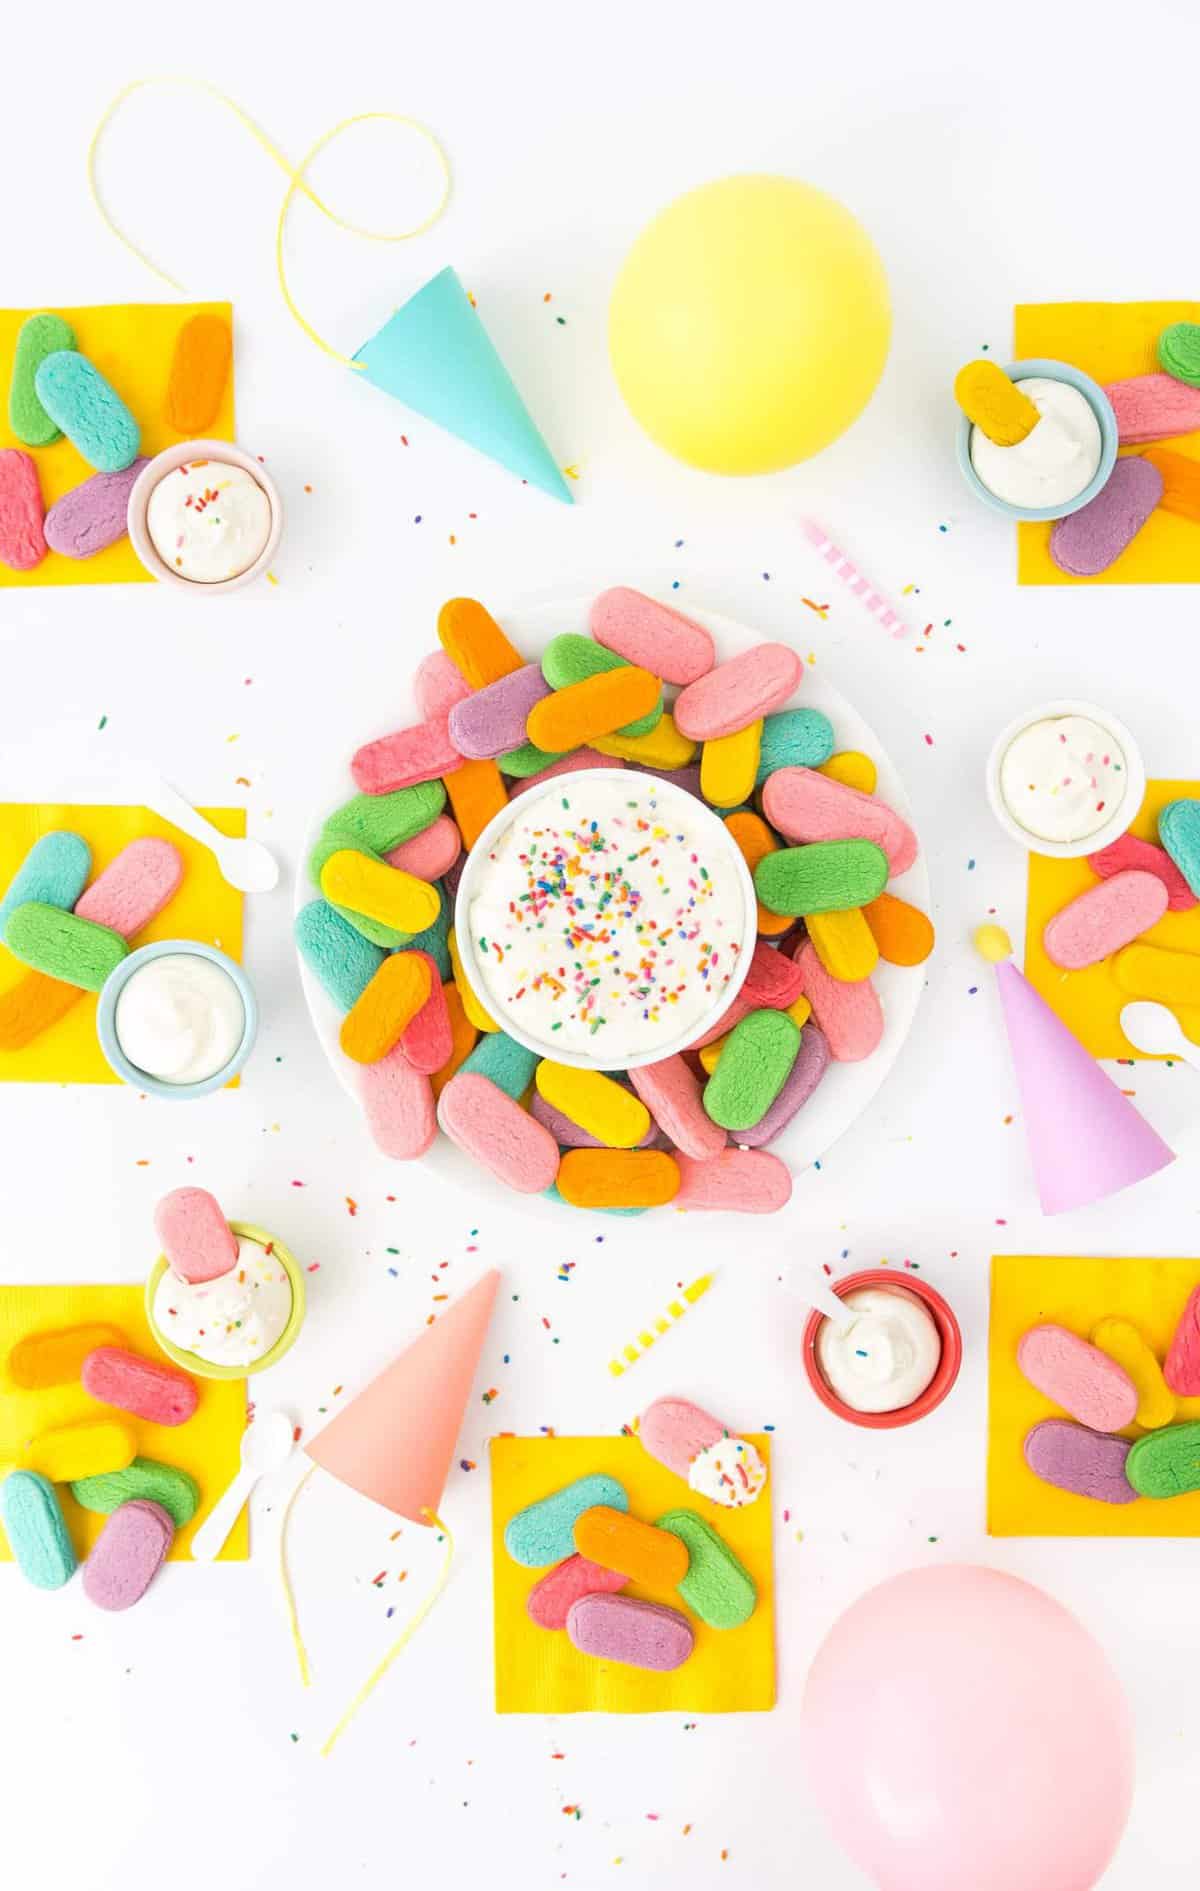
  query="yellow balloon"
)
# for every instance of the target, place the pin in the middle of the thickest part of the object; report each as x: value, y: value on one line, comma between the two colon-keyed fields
x: 749, y: 324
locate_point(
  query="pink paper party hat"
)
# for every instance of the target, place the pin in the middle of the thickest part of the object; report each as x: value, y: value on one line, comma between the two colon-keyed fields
x: 395, y: 1441
x: 1085, y: 1139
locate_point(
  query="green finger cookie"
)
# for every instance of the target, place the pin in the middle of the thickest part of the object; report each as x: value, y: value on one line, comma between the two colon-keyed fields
x: 1179, y: 352
x: 571, y: 658
x: 716, y: 1587
x: 826, y: 876
x: 756, y: 1059
x: 40, y: 335
x: 375, y: 823
x: 1166, y: 1463
x: 529, y: 759
x: 175, y: 1490
x: 62, y: 945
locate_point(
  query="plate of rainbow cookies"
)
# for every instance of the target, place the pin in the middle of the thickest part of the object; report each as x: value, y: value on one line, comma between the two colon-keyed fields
x: 617, y: 908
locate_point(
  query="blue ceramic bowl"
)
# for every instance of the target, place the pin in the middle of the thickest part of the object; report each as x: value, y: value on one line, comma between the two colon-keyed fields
x: 1100, y: 405
x: 106, y: 1012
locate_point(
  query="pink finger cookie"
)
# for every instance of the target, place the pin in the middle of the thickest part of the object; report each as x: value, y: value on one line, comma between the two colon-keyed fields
x: 1104, y: 919
x: 428, y: 1041
x: 1142, y: 856
x: 195, y: 1236
x: 637, y: 1634
x: 1078, y: 1376
x: 485, y: 1123
x: 772, y: 980
x: 134, y: 887
x: 423, y: 752
x: 648, y: 633
x: 740, y: 1181
x: 550, y: 1601
x: 22, y: 539
x: 1086, y: 1462
x: 429, y: 854
x: 150, y: 1389
x: 399, y: 1106
x: 739, y: 692
x: 1181, y: 1369
x: 1153, y: 407
x: 808, y: 806
x: 492, y: 721
x: 128, y: 1554
x: 438, y: 685
x: 572, y: 764
x: 697, y: 1446
x: 851, y: 1016
x: 812, y: 1061
x: 672, y: 1093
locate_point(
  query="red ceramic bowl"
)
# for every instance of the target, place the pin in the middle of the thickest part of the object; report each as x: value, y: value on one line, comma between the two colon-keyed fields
x: 943, y: 1378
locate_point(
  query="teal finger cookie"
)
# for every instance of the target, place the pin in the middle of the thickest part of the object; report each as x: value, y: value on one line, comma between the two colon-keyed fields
x: 36, y: 1529
x: 571, y: 658
x: 165, y: 1484
x: 1166, y: 1463
x: 433, y: 939
x: 1179, y: 352
x: 825, y: 876
x: 716, y: 1588
x: 505, y: 1063
x: 375, y: 823
x: 39, y: 336
x: 1179, y: 832
x: 545, y: 1532
x: 339, y: 956
x: 756, y: 1060
x: 795, y: 738
x: 63, y: 946
x: 54, y: 871
x: 89, y: 411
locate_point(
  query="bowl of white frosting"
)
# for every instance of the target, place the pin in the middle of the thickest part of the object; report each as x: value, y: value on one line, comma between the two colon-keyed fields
x: 894, y: 1357
x: 177, y: 1019
x: 236, y: 1324
x: 1055, y: 470
x: 1065, y: 779
x: 205, y: 516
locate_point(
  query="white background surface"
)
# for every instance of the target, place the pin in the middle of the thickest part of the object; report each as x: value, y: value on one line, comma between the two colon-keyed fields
x: 1020, y: 157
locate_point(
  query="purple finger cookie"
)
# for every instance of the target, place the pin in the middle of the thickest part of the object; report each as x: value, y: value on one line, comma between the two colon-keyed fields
x: 128, y: 1555
x: 1071, y: 1457
x: 91, y: 517
x: 492, y: 720
x: 1092, y: 539
x: 637, y: 1634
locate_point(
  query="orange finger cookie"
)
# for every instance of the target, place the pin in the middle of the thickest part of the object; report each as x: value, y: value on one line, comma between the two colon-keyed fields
x: 618, y: 1178
x: 598, y: 706
x: 475, y: 643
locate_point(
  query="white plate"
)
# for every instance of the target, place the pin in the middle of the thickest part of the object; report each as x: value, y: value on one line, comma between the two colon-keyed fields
x: 846, y: 1089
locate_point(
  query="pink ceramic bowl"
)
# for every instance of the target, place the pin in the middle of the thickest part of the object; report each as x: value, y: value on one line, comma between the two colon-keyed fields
x: 943, y: 1378
x: 166, y: 462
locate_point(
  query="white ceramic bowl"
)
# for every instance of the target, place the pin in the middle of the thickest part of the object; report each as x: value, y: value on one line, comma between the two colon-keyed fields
x: 719, y: 846
x: 845, y: 1091
x: 166, y: 462
x: 1123, y: 814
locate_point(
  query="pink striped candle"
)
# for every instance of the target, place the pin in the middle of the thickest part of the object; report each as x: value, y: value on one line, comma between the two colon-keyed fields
x: 849, y: 573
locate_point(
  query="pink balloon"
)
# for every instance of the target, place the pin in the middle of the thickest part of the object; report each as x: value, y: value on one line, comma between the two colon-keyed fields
x: 963, y: 1730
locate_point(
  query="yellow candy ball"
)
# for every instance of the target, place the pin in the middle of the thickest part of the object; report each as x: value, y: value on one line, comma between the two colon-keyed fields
x: 749, y: 324
x: 992, y: 943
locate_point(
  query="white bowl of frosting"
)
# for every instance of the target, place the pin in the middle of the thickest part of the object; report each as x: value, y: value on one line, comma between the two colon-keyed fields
x: 606, y: 919
x: 1065, y: 779
x: 177, y: 1019
x: 205, y: 516
x: 1062, y: 464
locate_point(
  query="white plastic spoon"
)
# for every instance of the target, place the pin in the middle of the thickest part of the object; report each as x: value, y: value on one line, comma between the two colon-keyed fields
x: 805, y: 1285
x: 1156, y: 1031
x: 266, y: 1444
x: 245, y: 863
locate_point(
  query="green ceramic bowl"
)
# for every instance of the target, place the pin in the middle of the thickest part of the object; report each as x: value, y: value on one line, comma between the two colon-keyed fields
x: 203, y: 1368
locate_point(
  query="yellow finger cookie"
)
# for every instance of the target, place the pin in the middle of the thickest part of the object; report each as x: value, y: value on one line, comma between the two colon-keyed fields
x: 844, y: 944
x: 89, y: 1449
x: 477, y: 1015
x: 995, y: 405
x: 853, y: 769
x: 729, y: 766
x: 1146, y: 971
x: 603, y: 1108
x: 664, y: 747
x: 379, y: 892
x: 1122, y: 1341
